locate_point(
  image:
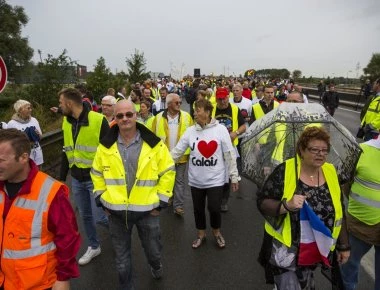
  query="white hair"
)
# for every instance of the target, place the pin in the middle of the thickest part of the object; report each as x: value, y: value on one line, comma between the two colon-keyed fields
x: 110, y: 99
x: 19, y: 104
x: 169, y: 98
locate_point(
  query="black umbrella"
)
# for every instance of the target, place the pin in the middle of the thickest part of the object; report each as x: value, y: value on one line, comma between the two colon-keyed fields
x: 272, y: 139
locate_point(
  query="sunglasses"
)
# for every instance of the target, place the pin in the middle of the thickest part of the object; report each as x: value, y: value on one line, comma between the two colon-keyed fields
x: 127, y: 114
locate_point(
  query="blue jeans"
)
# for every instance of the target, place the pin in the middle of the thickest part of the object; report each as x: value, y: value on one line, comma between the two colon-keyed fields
x: 148, y: 228
x: 350, y: 270
x: 84, y: 200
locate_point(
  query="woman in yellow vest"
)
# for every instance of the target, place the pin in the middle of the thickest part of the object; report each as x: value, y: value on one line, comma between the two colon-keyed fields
x: 145, y: 116
x: 316, y: 182
x: 363, y: 218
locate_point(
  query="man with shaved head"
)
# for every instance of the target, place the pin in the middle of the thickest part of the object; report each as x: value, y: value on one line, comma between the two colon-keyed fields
x: 133, y: 175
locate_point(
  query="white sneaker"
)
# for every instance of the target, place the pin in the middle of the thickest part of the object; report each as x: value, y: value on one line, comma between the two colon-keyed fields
x: 89, y: 255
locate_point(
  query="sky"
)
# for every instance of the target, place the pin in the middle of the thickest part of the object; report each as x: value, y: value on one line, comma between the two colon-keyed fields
x: 319, y: 37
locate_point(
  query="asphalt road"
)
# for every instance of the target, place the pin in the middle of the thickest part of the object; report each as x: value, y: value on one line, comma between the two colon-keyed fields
x: 208, y: 267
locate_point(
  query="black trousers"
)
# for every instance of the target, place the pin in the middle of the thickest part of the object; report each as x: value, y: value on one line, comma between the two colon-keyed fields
x: 214, y: 201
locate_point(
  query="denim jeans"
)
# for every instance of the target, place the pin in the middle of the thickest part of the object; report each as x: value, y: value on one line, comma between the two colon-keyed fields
x: 84, y: 200
x: 148, y: 228
x: 350, y: 270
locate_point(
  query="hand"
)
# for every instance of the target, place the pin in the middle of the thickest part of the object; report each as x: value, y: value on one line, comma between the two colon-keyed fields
x: 235, y: 186
x: 233, y: 136
x: 155, y: 212
x: 54, y: 109
x: 266, y: 170
x: 342, y: 257
x: 296, y: 202
x: 61, y: 285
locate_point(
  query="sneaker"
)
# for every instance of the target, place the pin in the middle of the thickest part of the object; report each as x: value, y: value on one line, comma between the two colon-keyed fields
x: 89, y: 255
x: 224, y: 208
x: 179, y: 211
x: 157, y: 274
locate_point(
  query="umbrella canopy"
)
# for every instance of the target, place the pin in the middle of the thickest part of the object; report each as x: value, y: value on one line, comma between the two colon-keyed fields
x: 272, y: 139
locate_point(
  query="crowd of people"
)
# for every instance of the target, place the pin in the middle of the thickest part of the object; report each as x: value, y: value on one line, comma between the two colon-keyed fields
x: 128, y: 158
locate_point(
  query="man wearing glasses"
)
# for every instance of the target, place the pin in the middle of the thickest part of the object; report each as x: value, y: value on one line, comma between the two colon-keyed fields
x: 108, y: 102
x: 170, y: 125
x: 133, y: 175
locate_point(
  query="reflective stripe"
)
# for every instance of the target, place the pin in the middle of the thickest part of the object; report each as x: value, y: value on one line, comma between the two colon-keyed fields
x: 98, y: 192
x: 146, y: 182
x: 113, y: 206
x: 109, y: 181
x: 338, y: 222
x: 171, y: 168
x: 1, y: 198
x: 86, y: 148
x: 137, y: 207
x: 364, y: 200
x: 369, y: 184
x: 81, y: 160
x: 35, y: 251
x: 163, y: 197
x: 68, y: 148
x: 96, y: 172
x: 39, y: 206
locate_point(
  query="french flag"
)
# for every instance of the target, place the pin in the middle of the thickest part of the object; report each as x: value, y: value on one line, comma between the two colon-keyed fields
x: 316, y: 239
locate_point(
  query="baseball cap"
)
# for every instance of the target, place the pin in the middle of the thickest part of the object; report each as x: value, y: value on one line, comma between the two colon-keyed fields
x: 221, y: 93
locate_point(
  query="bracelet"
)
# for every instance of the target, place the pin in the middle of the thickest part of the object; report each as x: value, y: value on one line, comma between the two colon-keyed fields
x: 286, y: 206
x: 343, y: 247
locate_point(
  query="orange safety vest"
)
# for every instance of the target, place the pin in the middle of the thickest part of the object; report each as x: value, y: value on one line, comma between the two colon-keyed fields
x: 28, y: 250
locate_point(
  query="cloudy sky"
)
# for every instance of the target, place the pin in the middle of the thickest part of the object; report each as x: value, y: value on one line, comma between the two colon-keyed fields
x: 318, y: 37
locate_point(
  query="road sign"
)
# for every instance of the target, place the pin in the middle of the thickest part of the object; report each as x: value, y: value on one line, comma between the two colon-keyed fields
x: 3, y: 74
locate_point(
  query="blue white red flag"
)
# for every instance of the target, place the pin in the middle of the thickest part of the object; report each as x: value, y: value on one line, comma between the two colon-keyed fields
x: 316, y: 239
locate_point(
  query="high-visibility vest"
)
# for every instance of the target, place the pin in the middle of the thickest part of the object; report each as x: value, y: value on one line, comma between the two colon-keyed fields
x: 148, y: 122
x: 284, y: 233
x: 235, y: 120
x: 154, y: 181
x: 161, y: 128
x: 28, y: 251
x: 155, y: 93
x: 258, y: 112
x: 372, y: 115
x: 364, y: 201
x: 82, y: 153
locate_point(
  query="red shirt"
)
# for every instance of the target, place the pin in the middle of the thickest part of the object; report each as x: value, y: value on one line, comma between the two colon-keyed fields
x: 63, y: 226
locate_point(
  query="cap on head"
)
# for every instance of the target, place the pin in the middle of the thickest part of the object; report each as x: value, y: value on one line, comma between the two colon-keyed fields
x: 221, y: 93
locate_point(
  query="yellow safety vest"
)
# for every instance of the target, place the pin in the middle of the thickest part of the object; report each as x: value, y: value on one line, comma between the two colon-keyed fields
x: 161, y: 128
x: 373, y: 114
x: 259, y: 113
x: 364, y: 201
x: 155, y: 93
x: 155, y: 177
x: 82, y: 153
x: 235, y: 121
x: 283, y: 234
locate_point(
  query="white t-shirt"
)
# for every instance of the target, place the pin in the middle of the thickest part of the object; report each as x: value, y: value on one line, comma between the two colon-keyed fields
x: 36, y: 152
x: 173, y: 124
x: 206, y: 164
x: 245, y: 107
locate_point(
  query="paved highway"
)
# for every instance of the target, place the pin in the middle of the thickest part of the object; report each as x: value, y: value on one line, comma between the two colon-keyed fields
x: 208, y: 267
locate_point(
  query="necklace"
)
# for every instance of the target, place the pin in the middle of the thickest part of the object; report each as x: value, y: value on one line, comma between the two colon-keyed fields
x: 312, y: 179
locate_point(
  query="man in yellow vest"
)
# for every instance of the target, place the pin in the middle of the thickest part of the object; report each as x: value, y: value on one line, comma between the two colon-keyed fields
x: 371, y: 119
x: 265, y: 105
x: 170, y: 125
x: 38, y: 232
x: 133, y: 175
x: 230, y: 116
x: 82, y: 131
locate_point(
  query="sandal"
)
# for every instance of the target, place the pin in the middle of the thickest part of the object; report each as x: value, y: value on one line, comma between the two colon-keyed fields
x: 198, y: 242
x: 220, y: 242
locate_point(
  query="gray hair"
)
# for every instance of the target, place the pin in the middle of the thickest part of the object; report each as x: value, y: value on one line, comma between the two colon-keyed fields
x: 110, y: 99
x: 19, y: 104
x: 169, y: 98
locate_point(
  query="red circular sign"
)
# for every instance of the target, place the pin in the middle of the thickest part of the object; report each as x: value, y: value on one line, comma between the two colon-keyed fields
x: 3, y: 74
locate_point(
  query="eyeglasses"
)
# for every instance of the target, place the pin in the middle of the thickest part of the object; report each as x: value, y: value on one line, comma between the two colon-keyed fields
x: 127, y: 114
x: 314, y: 150
x: 106, y: 105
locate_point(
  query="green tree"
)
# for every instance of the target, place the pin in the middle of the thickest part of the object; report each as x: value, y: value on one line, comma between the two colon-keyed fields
x: 373, y: 67
x: 137, y: 68
x: 14, y: 49
x: 101, y: 79
x: 50, y: 76
x: 296, y: 74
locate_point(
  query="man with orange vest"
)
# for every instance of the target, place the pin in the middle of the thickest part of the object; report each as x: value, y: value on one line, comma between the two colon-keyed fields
x: 38, y: 232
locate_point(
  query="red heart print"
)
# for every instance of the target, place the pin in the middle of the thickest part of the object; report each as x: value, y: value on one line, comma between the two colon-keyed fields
x: 207, y: 149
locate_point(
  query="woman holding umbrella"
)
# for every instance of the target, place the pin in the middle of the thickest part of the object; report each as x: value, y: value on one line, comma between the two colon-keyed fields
x: 211, y: 155
x: 302, y: 206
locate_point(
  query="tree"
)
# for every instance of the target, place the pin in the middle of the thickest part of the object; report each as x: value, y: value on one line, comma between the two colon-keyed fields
x: 296, y: 74
x: 101, y: 79
x: 136, y: 68
x: 14, y: 49
x: 373, y: 67
x: 50, y: 76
